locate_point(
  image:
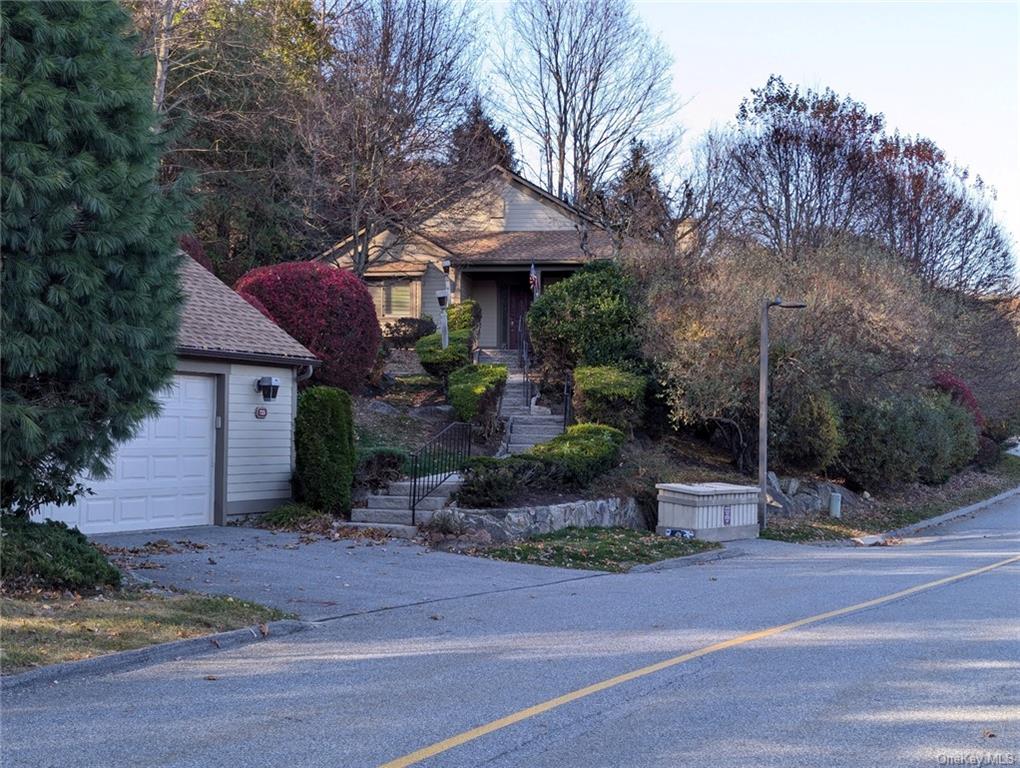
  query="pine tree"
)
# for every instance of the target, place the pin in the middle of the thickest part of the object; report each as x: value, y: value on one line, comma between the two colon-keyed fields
x: 476, y: 142
x: 638, y: 205
x: 91, y: 297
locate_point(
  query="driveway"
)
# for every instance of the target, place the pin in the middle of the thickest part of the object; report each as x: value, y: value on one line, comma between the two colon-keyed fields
x: 901, y: 656
x: 319, y: 579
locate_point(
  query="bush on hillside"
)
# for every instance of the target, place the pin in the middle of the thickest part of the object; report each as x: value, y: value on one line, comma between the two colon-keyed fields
x: 588, y: 319
x: 492, y: 482
x: 806, y: 434
x: 960, y: 393
x: 378, y: 466
x: 440, y: 363
x: 474, y: 391
x: 324, y: 444
x: 404, y: 332
x: 329, y: 310
x: 49, y: 555
x: 989, y: 452
x: 580, y: 454
x: 465, y: 316
x: 604, y: 394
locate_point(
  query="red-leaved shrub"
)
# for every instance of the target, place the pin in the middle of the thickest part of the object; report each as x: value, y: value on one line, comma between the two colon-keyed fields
x: 257, y: 304
x: 329, y: 310
x: 960, y: 393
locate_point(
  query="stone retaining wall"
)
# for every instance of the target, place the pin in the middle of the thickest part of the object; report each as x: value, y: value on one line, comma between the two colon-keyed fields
x: 502, y: 525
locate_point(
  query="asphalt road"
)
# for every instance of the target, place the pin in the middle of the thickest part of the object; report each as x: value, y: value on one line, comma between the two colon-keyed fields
x: 928, y: 678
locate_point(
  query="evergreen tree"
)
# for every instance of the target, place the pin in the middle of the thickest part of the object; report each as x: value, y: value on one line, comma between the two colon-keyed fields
x: 477, y: 142
x: 91, y: 297
x: 637, y: 203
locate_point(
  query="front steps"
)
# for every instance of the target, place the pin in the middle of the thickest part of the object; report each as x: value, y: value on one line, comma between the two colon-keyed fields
x: 392, y: 505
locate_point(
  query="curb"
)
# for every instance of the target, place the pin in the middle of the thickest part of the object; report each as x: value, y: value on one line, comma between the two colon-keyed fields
x: 880, y: 538
x: 123, y: 661
x: 681, y: 562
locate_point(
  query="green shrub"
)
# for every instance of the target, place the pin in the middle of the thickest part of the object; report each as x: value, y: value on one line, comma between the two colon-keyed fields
x: 49, y: 555
x: 439, y: 362
x: 905, y: 439
x: 474, y: 390
x: 465, y: 316
x: 587, y: 319
x: 808, y: 433
x: 989, y: 452
x: 403, y: 332
x: 492, y: 482
x: 580, y: 454
x: 379, y: 465
x: 607, y: 395
x: 324, y: 443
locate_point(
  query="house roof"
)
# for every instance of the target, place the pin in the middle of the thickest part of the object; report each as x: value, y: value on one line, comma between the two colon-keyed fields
x: 217, y: 322
x: 563, y: 246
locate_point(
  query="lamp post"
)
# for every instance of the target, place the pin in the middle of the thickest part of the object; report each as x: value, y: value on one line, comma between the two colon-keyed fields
x: 443, y: 298
x: 763, y: 405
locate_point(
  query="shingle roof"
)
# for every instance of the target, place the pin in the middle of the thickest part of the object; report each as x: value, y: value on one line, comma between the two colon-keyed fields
x: 216, y: 321
x: 563, y: 246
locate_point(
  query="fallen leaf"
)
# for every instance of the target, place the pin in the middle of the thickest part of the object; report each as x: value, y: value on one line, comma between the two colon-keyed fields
x: 264, y: 629
x: 988, y: 734
x: 211, y: 677
x: 435, y: 617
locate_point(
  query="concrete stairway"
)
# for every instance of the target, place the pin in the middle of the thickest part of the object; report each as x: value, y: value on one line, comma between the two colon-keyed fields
x: 527, y: 424
x: 390, y: 509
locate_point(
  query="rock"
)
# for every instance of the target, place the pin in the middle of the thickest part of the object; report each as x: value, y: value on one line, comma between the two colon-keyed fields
x: 429, y: 411
x: 792, y: 485
x: 382, y: 407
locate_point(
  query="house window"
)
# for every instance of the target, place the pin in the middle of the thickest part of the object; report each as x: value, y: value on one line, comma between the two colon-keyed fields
x: 392, y: 298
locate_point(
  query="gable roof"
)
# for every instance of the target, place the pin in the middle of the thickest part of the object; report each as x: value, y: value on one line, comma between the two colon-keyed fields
x: 217, y: 322
x: 558, y: 246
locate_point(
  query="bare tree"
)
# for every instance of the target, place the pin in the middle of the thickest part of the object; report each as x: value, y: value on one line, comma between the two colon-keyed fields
x: 379, y: 125
x: 582, y: 78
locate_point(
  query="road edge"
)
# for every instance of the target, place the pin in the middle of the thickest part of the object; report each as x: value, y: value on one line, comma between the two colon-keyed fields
x: 699, y: 558
x: 123, y: 661
x: 880, y: 538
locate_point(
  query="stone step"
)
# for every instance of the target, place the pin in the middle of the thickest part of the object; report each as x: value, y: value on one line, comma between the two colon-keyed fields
x: 435, y: 501
x: 537, y: 429
x: 538, y: 420
x: 391, y: 516
x: 403, y: 487
x: 397, y: 531
x: 515, y: 448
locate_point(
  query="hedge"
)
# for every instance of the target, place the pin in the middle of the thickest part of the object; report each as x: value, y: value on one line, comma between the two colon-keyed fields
x: 324, y: 443
x: 806, y: 434
x: 580, y: 454
x: 572, y: 459
x: 49, y: 555
x: 405, y: 332
x: 439, y: 362
x: 465, y: 316
x: 904, y: 439
x: 587, y: 319
x: 604, y: 394
x: 379, y: 465
x: 474, y: 390
x: 329, y: 310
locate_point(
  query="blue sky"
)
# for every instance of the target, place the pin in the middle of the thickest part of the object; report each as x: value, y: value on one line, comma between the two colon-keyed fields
x: 944, y: 70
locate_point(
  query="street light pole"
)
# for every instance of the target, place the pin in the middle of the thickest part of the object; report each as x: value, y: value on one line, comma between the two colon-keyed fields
x: 763, y: 405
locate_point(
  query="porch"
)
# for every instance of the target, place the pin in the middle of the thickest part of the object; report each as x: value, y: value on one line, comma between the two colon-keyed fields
x: 504, y: 295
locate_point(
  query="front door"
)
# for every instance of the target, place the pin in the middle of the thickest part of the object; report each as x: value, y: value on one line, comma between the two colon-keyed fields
x: 518, y: 300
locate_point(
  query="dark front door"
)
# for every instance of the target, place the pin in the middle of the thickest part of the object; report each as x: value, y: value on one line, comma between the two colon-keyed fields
x: 518, y: 299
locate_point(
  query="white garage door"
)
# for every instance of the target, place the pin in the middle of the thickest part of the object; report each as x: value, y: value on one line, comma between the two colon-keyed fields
x: 163, y: 478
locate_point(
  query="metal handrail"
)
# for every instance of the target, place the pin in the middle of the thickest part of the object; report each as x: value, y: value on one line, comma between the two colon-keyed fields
x: 568, y: 399
x: 434, y: 462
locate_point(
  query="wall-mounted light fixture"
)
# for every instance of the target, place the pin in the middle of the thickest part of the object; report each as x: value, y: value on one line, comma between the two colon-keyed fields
x: 269, y: 386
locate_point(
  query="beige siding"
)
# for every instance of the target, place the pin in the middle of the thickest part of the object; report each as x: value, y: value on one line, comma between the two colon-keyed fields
x: 260, y: 457
x: 485, y: 293
x: 434, y: 280
x: 483, y: 211
x: 527, y: 213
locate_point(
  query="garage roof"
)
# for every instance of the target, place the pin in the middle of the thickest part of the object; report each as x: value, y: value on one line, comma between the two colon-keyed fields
x: 217, y: 322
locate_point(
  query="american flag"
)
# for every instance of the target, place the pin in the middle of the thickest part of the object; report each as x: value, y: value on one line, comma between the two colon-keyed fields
x: 533, y: 280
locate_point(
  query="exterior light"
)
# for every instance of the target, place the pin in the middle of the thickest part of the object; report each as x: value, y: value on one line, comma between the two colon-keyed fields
x: 269, y: 386
x: 443, y: 297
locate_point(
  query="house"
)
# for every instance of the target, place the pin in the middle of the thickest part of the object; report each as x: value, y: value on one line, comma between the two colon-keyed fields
x: 218, y: 449
x: 481, y: 246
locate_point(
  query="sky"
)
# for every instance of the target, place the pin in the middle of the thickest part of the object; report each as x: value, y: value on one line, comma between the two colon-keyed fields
x: 948, y: 71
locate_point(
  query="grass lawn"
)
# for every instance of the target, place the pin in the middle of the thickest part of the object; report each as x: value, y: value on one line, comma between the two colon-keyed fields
x: 598, y: 549
x: 48, y: 629
x: 904, y: 507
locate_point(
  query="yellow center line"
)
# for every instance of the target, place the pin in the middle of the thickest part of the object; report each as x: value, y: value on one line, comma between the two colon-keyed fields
x: 537, y: 709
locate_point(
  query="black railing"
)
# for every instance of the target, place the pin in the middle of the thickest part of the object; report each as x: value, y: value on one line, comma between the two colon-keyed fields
x: 434, y: 462
x: 568, y: 399
x: 524, y: 357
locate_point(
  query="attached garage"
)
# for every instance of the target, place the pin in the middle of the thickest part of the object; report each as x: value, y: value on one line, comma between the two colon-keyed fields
x: 218, y: 449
